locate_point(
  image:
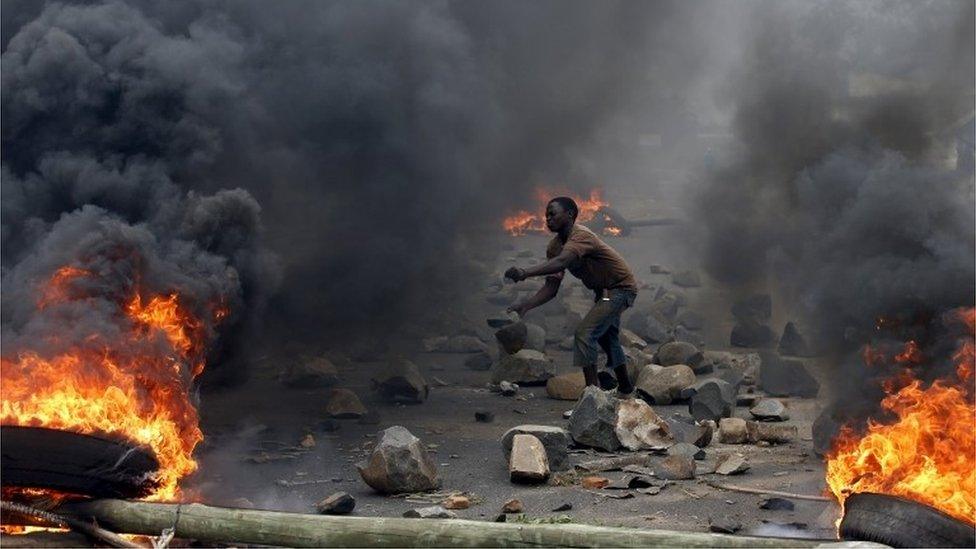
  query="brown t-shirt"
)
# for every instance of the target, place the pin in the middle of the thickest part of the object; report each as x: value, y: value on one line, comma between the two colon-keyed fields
x: 598, y: 265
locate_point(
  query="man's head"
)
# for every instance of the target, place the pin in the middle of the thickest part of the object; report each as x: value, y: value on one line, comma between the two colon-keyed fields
x: 561, y: 212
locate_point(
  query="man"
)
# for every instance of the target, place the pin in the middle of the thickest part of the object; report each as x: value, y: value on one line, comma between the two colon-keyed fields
x: 602, y: 270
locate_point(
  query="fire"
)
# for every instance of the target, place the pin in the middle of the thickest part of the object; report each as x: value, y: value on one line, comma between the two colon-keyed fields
x: 927, y: 454
x: 133, y: 384
x: 524, y: 221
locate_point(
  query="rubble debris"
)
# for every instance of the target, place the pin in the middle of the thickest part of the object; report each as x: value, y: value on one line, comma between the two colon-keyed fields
x: 528, y: 462
x: 776, y: 504
x: 630, y: 339
x: 512, y: 338
x: 310, y: 373
x: 454, y: 344
x: 792, y: 342
x: 401, y: 381
x: 748, y: 333
x: 665, y: 385
x: 675, y: 467
x: 769, y: 409
x: 525, y: 366
x: 480, y: 361
x: 786, y: 377
x: 678, y: 352
x: 649, y: 327
x: 456, y: 502
x: 566, y: 386
x: 688, y: 450
x: 639, y: 428
x: 564, y: 507
x: 614, y: 463
x: 399, y: 463
x: 594, y: 420
x: 513, y: 506
x: 432, y: 512
x: 685, y: 335
x: 536, y: 338
x: 732, y: 464
x: 724, y: 525
x: 686, y: 429
x: 690, y: 319
x: 686, y: 279
x: 339, y: 503
x: 713, y: 399
x: 732, y: 430
x: 484, y: 416
x: 555, y: 440
x: 770, y: 432
x: 344, y: 404
x: 507, y: 388
x: 594, y: 482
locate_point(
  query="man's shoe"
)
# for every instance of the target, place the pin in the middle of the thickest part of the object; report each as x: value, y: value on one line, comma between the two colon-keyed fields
x: 607, y: 381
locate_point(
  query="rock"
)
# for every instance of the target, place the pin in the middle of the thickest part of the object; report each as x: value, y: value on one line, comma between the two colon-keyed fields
x: 512, y: 338
x: 525, y: 366
x: 664, y: 386
x: 566, y: 386
x: 594, y: 420
x: 484, y: 416
x: 567, y: 414
x: 676, y: 467
x: 344, y: 404
x: 594, y: 482
x: 639, y: 428
x: 665, y: 308
x: 776, y: 504
x: 713, y: 399
x: 732, y: 464
x: 693, y: 320
x: 536, y: 337
x: 630, y: 339
x: 825, y: 429
x: 507, y: 388
x: 401, y: 382
x: 528, y: 462
x: 567, y: 344
x: 786, y: 377
x: 310, y: 373
x: 770, y: 432
x: 769, y: 409
x: 792, y: 342
x: 433, y: 512
x: 724, y: 525
x: 564, y: 507
x: 748, y: 333
x: 555, y: 440
x: 685, y: 335
x: 649, y: 327
x: 687, y: 450
x: 339, y: 503
x: 732, y: 430
x: 685, y: 429
x: 756, y: 307
x: 513, y: 506
x: 399, y: 463
x: 658, y: 269
x: 456, y: 502
x: 729, y: 375
x: 678, y: 352
x: 308, y: 441
x: 686, y: 279
x: 480, y: 361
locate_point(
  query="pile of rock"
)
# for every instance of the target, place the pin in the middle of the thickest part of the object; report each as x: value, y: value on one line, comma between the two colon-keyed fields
x: 603, y: 422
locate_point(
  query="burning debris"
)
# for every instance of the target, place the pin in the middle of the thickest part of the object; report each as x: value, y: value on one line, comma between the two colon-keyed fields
x: 594, y: 211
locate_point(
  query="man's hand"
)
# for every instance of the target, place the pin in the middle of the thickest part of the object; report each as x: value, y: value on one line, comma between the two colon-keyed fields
x: 516, y: 274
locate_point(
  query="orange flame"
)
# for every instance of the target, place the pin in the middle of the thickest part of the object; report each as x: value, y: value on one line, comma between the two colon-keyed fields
x: 524, y: 221
x: 135, y: 385
x: 928, y: 454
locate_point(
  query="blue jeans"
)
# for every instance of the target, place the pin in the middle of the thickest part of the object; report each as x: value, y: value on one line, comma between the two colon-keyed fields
x: 601, y: 326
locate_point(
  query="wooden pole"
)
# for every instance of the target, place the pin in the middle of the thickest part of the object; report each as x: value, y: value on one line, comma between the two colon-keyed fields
x: 763, y: 491
x: 217, y: 524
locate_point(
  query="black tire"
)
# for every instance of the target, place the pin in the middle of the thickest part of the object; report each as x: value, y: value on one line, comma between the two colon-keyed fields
x: 902, y: 523
x: 36, y: 457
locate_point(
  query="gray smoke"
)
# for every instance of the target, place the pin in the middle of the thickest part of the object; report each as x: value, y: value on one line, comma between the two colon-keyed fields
x: 850, y: 191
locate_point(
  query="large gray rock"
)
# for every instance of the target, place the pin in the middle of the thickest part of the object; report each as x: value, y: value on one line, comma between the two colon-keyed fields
x: 649, y: 327
x: 525, y: 367
x: 339, y: 503
x: 535, y: 338
x: 792, y: 342
x: 639, y: 428
x: 749, y: 333
x: 664, y: 386
x: 398, y: 464
x: 686, y: 429
x: 594, y: 420
x: 512, y: 338
x: 555, y: 440
x: 528, y: 462
x: 631, y: 339
x: 786, y: 377
x: 678, y: 352
x: 769, y: 409
x: 401, y: 381
x: 688, y: 336
x: 310, y: 373
x: 344, y: 404
x: 713, y: 399
x: 732, y: 430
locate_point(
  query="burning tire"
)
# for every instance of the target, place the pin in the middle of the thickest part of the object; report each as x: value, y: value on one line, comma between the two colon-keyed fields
x: 35, y: 457
x: 901, y: 523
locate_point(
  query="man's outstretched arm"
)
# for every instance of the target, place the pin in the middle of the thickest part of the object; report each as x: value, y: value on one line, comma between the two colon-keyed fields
x: 544, y: 295
x: 555, y: 265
